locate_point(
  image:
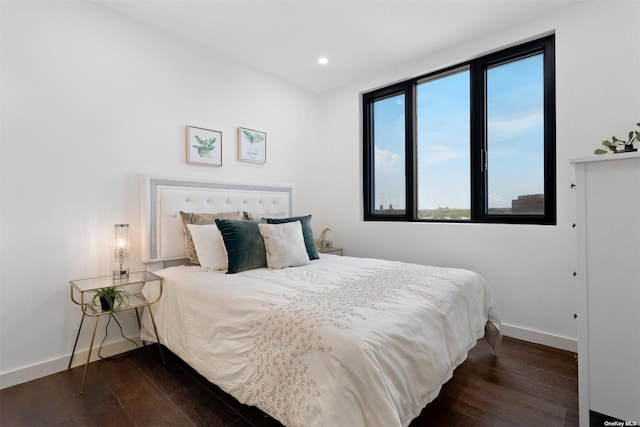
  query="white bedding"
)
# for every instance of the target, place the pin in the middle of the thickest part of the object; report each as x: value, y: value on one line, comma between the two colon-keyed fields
x: 339, y: 342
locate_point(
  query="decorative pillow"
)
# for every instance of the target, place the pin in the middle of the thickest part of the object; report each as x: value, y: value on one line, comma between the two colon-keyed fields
x: 307, y: 232
x: 209, y: 246
x: 284, y: 244
x: 258, y: 216
x: 244, y: 244
x: 202, y: 219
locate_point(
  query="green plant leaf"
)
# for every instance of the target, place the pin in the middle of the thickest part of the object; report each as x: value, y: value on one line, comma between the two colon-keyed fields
x: 600, y: 151
x: 615, y: 142
x: 248, y: 135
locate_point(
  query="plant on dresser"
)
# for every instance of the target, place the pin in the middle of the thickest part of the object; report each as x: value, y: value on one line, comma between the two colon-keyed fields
x: 615, y: 143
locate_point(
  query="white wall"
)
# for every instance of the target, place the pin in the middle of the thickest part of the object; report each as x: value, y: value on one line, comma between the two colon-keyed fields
x: 90, y: 101
x: 528, y: 267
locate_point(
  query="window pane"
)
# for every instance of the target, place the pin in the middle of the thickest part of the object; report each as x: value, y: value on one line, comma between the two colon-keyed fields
x: 443, y: 110
x: 515, y: 137
x: 389, y: 155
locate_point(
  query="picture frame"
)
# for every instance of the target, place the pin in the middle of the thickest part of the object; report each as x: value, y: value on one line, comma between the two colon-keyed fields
x: 204, y: 146
x: 252, y: 145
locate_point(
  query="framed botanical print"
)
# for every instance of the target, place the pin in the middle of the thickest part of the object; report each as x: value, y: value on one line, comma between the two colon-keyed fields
x: 252, y: 145
x: 204, y: 146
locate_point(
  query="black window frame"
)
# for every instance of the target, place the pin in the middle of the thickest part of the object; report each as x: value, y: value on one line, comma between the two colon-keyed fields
x: 478, y: 138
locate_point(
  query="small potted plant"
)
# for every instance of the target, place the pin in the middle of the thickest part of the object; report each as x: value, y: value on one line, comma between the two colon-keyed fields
x: 205, y: 146
x: 614, y: 144
x: 109, y: 299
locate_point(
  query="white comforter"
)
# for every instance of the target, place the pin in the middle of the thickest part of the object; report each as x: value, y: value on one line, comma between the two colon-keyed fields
x: 340, y: 342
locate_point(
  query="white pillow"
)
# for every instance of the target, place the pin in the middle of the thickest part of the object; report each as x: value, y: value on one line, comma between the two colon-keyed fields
x: 284, y: 244
x: 209, y: 245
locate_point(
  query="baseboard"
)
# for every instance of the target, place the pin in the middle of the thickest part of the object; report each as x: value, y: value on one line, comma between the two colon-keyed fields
x: 544, y: 338
x: 22, y: 375
x: 111, y: 349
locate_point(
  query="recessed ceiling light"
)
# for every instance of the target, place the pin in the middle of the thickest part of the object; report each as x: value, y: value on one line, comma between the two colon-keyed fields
x: 323, y: 60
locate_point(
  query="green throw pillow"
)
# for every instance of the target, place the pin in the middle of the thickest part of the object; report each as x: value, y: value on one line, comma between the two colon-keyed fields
x: 244, y: 244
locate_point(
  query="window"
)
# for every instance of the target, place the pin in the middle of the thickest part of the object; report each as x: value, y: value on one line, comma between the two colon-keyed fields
x: 389, y: 158
x: 470, y: 143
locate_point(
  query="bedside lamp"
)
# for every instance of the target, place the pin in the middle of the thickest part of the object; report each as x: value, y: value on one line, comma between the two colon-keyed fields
x: 121, y: 249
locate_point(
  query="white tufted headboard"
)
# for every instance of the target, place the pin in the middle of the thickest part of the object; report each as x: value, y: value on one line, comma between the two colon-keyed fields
x: 163, y: 236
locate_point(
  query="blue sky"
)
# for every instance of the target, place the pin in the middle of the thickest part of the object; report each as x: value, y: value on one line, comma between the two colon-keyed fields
x: 515, y: 138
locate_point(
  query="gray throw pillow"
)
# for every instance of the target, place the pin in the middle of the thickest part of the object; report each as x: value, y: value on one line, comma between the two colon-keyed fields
x: 307, y: 232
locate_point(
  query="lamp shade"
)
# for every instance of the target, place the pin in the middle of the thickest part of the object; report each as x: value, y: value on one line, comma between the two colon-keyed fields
x: 121, y: 245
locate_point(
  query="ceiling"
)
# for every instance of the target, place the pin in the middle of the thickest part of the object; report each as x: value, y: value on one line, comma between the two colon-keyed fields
x: 360, y: 38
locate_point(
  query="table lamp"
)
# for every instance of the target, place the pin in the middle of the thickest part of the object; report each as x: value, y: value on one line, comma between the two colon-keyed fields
x: 121, y: 249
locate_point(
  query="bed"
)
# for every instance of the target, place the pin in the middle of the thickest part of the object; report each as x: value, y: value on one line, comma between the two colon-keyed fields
x: 332, y: 341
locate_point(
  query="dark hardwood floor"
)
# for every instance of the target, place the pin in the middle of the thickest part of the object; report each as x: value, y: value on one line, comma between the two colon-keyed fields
x: 523, y: 385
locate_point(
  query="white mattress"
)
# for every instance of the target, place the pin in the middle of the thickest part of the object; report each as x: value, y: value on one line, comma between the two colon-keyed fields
x: 342, y: 341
